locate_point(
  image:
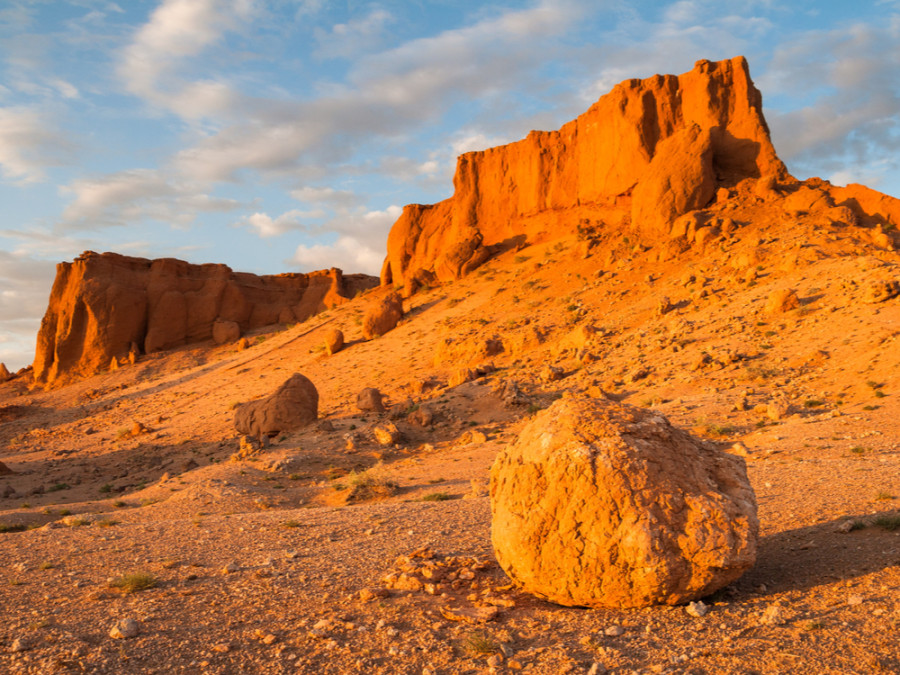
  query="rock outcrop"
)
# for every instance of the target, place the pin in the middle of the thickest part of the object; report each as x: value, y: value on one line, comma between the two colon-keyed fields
x: 602, y: 505
x: 103, y: 303
x: 639, y: 157
x: 292, y: 406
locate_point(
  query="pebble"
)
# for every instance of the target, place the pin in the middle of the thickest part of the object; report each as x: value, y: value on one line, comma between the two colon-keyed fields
x: 230, y: 568
x: 855, y: 600
x: 124, y: 629
x: 697, y: 609
x: 597, y: 669
x: 614, y: 631
x: 495, y: 661
x: 20, y: 645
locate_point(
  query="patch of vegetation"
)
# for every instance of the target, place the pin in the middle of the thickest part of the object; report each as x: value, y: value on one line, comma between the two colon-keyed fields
x: 134, y: 582
x: 884, y: 496
x: 857, y: 525
x: 107, y: 522
x: 119, y: 504
x: 56, y: 487
x: 46, y: 565
x: 106, y: 488
x: 813, y: 403
x: 292, y: 523
x: 815, y: 624
x: 480, y: 644
x: 519, y: 259
x: 369, y: 484
x: 12, y: 528
x: 889, y: 522
x: 858, y: 450
x: 437, y: 497
x: 77, y: 522
x: 533, y: 408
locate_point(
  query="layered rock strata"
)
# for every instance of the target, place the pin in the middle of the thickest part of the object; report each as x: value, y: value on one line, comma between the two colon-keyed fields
x: 105, y: 306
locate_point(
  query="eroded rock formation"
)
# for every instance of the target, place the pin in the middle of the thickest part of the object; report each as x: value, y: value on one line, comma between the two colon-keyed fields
x: 103, y: 304
x: 640, y: 158
x: 668, y: 136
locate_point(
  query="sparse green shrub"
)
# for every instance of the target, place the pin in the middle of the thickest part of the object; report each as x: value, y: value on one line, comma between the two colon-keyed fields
x: 134, y: 582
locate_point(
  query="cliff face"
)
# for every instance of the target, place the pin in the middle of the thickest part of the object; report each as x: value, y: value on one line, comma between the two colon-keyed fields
x: 642, y: 155
x: 103, y: 304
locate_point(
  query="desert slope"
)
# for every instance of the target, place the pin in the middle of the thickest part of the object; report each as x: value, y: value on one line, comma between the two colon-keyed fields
x: 766, y: 321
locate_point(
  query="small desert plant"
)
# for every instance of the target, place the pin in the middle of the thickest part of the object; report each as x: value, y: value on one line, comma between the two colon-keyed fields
x: 134, y: 582
x: 106, y: 488
x: 291, y: 523
x: 436, y: 497
x: 46, y: 565
x: 107, y: 522
x: 883, y: 496
x: 813, y: 403
x: 858, y: 450
x: 889, y: 522
x: 119, y: 504
x: 56, y: 487
x: 857, y: 525
x: 480, y: 644
x: 369, y: 484
x: 519, y: 259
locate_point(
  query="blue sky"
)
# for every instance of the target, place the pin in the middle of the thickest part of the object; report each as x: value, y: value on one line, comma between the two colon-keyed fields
x: 285, y: 135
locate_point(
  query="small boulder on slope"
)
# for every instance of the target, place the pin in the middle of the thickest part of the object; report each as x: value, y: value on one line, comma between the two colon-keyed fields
x: 382, y: 316
x: 293, y: 405
x: 603, y: 505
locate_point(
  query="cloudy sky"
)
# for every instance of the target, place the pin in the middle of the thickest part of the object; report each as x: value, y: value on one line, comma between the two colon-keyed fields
x: 285, y: 135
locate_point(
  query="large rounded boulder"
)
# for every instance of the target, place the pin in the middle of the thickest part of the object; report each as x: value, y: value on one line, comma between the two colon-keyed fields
x: 293, y: 405
x: 602, y: 505
x: 382, y: 316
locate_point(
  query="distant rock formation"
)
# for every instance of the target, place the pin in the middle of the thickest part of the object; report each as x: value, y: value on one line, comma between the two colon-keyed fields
x: 646, y: 153
x: 103, y: 305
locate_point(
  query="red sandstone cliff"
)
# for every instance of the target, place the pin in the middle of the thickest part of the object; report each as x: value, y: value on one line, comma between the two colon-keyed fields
x: 102, y: 304
x: 642, y: 155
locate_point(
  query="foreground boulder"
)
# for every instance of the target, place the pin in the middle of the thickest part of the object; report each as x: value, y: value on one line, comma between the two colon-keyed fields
x: 293, y: 405
x: 603, y: 505
x: 382, y: 316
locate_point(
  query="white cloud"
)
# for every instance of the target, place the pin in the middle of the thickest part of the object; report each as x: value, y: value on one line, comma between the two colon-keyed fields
x: 25, y: 284
x: 359, y: 35
x: 128, y: 197
x: 388, y: 94
x: 326, y: 195
x: 266, y: 226
x: 29, y: 144
x: 347, y: 253
x: 178, y: 30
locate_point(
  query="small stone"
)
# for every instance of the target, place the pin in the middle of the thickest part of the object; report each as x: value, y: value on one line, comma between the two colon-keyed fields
x: 773, y: 615
x: 614, y: 631
x: 597, y: 669
x: 124, y: 629
x: 697, y: 609
x: 222, y: 648
x: 855, y: 600
x: 230, y: 568
x: 495, y: 661
x: 20, y: 645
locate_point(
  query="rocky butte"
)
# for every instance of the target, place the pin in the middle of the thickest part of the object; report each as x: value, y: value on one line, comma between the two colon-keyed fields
x: 107, y: 306
x: 644, y: 154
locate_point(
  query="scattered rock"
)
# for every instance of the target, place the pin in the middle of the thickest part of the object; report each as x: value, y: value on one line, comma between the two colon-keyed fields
x: 773, y: 615
x: 124, y: 629
x: 4, y: 373
x: 675, y: 521
x: 387, y: 434
x: 614, y: 631
x: 6, y: 471
x: 470, y: 614
x: 294, y: 404
x: 224, y: 332
x: 370, y: 400
x: 334, y: 341
x: 243, y: 344
x: 20, y: 645
x: 422, y: 416
x: 782, y: 300
x: 880, y: 291
x: 382, y: 316
x: 777, y: 409
x: 697, y: 609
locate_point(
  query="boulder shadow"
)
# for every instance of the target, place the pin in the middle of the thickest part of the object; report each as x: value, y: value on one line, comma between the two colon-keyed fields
x: 806, y: 557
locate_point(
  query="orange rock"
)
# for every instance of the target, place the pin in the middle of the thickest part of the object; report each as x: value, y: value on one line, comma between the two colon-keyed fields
x: 586, y: 171
x: 225, y: 331
x: 782, y: 300
x: 4, y: 373
x: 602, y: 505
x: 334, y: 341
x: 101, y: 304
x: 382, y: 316
x: 293, y: 405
